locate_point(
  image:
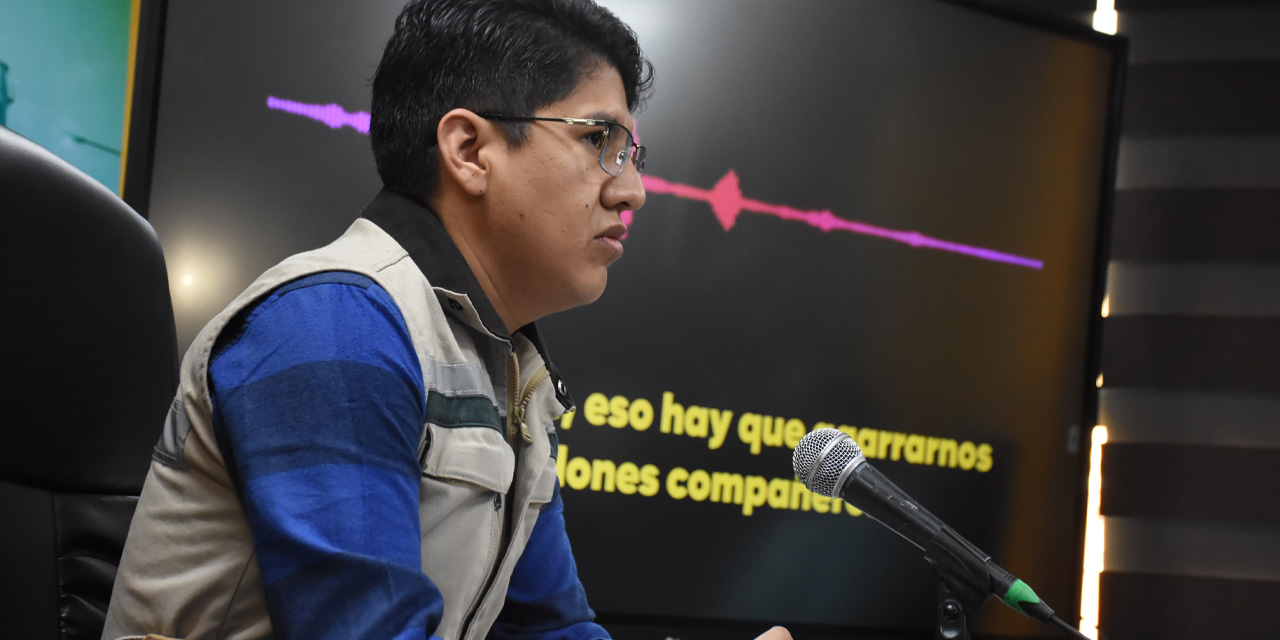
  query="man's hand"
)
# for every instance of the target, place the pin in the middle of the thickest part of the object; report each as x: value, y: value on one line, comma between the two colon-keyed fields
x: 776, y: 633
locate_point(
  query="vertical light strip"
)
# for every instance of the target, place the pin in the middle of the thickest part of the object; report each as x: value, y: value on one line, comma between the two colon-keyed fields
x: 1094, y: 538
x: 1105, y: 18
x: 135, y: 15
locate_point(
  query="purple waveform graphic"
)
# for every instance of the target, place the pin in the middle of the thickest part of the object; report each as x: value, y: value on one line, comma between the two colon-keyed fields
x: 331, y: 114
x: 725, y: 197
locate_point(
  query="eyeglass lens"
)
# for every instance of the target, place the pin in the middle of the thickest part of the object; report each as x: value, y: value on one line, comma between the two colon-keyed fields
x: 617, y: 149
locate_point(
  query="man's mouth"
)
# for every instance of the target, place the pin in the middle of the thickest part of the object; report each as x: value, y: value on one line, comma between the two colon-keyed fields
x: 614, y: 232
x: 612, y: 238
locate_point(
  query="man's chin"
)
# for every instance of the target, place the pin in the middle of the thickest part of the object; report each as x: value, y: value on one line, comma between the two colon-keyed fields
x: 592, y: 295
x: 589, y: 292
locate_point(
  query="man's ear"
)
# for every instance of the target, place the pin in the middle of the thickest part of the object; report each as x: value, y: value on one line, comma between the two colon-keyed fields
x: 464, y: 140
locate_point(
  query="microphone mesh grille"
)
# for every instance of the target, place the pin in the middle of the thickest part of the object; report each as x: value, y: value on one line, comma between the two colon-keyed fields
x: 808, y: 455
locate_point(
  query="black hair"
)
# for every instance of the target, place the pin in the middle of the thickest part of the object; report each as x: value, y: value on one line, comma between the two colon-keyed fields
x: 501, y: 56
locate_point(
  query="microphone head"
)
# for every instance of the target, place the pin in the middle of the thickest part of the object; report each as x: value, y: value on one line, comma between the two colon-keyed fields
x: 821, y: 457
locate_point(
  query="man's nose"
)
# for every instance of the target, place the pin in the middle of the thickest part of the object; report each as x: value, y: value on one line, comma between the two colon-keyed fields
x: 624, y: 191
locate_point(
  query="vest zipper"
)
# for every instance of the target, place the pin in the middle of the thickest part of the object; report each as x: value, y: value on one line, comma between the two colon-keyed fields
x: 520, y: 409
x: 495, y: 561
x: 513, y: 383
x: 515, y: 419
x: 517, y: 408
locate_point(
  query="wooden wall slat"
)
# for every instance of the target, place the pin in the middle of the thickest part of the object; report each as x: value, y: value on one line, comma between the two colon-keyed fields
x: 1164, y: 5
x: 1207, y: 549
x: 1190, y: 482
x: 1206, y: 162
x: 1206, y: 418
x: 1231, y: 225
x: 1207, y: 98
x: 1238, y: 354
x: 1153, y: 606
x: 1208, y: 33
x: 1193, y: 289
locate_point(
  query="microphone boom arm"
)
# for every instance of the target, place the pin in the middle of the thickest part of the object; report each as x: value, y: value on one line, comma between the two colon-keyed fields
x: 966, y: 575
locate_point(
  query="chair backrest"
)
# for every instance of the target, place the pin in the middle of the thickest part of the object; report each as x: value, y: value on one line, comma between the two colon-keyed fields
x: 90, y: 368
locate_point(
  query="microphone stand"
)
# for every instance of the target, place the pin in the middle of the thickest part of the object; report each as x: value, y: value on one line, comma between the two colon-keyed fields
x: 960, y: 592
x: 966, y: 575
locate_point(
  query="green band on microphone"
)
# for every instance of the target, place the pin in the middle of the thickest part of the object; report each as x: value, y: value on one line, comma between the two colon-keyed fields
x: 1019, y: 593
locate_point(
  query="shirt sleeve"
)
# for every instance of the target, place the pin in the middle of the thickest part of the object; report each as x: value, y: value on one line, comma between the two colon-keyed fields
x: 318, y: 409
x: 545, y: 600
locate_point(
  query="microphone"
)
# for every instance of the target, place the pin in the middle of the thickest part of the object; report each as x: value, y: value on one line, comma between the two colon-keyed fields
x: 831, y: 464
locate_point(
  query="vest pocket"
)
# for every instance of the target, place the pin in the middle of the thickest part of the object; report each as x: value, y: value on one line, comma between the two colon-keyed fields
x: 467, y: 475
x: 468, y: 456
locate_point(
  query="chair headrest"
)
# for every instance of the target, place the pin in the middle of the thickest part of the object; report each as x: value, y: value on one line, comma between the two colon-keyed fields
x: 91, y: 355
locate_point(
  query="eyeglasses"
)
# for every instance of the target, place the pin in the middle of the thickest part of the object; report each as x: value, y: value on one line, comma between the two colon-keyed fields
x: 616, y: 143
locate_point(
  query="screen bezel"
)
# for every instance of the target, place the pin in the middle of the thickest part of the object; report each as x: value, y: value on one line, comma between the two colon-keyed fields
x: 144, y: 103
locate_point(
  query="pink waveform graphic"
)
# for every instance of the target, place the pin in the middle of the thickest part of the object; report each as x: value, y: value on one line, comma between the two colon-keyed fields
x: 725, y: 197
x: 331, y: 114
x: 727, y: 202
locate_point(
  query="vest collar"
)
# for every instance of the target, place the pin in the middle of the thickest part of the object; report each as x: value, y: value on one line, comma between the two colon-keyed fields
x: 418, y: 229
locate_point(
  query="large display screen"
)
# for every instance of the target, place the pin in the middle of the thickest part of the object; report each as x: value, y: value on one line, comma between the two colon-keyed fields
x: 871, y: 215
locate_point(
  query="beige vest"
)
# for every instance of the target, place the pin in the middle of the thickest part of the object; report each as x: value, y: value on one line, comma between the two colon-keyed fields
x: 189, y: 570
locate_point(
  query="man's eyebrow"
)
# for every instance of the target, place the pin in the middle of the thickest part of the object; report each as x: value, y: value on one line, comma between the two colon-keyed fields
x: 602, y: 115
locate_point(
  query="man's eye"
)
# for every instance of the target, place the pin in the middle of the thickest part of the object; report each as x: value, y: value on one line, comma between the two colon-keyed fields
x: 596, y: 138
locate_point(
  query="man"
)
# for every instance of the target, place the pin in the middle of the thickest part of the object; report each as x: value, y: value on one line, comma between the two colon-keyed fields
x: 362, y: 445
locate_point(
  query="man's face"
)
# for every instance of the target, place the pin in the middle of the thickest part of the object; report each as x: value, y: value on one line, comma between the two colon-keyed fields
x: 555, y: 213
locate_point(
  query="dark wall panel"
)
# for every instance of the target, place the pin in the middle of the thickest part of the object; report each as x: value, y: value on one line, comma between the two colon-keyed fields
x: 1192, y: 390
x: 1239, y: 33
x: 1074, y: 7
x: 1239, y: 354
x: 1191, y: 482
x: 1142, y: 606
x: 1232, y: 225
x: 1217, y: 98
x: 1162, y: 5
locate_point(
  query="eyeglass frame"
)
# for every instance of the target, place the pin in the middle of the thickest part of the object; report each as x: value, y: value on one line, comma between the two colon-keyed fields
x: 634, y: 152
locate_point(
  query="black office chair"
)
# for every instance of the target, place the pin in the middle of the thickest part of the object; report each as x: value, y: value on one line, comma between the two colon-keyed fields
x: 90, y: 367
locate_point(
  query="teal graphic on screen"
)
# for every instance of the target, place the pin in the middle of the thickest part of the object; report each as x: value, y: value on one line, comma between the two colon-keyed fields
x: 63, y: 74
